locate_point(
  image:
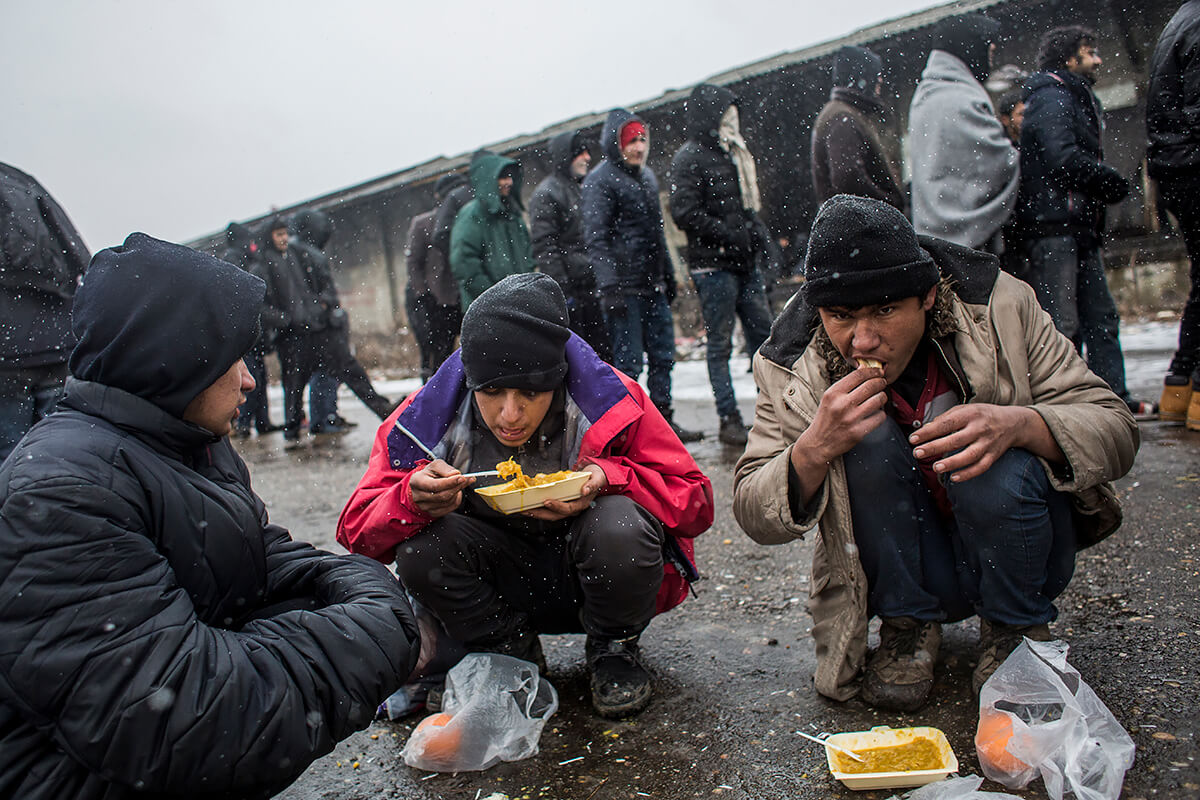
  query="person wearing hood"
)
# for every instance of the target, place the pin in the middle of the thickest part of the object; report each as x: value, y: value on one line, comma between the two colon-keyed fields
x: 855, y: 145
x: 489, y: 240
x: 950, y: 450
x: 241, y: 250
x: 1065, y: 186
x: 1173, y: 160
x: 42, y: 257
x: 626, y: 245
x: 523, y: 386
x: 162, y: 638
x: 715, y: 201
x: 556, y: 226
x: 431, y: 296
x: 965, y: 170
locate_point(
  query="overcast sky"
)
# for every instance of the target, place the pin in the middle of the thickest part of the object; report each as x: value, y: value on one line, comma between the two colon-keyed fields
x: 176, y: 117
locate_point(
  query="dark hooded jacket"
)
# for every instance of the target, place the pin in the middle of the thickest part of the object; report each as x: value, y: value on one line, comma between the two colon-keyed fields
x: 556, y: 222
x: 241, y: 249
x: 41, y: 259
x: 622, y: 220
x: 855, y: 149
x: 142, y: 657
x: 489, y: 240
x: 301, y: 297
x: 1065, y: 183
x: 1173, y: 98
x: 706, y: 202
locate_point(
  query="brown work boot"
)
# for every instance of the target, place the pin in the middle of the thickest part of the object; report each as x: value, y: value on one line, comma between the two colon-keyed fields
x: 996, y: 643
x: 1176, y: 396
x: 1193, y: 413
x: 899, y: 676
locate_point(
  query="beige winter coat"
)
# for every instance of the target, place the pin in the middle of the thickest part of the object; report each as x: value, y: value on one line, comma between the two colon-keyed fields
x: 1010, y: 354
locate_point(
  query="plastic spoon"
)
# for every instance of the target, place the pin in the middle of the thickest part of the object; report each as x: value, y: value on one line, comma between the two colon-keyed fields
x: 832, y: 746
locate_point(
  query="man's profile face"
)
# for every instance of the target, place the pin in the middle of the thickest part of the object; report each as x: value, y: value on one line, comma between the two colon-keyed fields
x: 279, y: 238
x: 887, y: 332
x: 1085, y: 62
x: 634, y: 153
x: 1012, y: 122
x: 513, y: 415
x: 580, y: 164
x: 504, y: 184
x: 216, y: 407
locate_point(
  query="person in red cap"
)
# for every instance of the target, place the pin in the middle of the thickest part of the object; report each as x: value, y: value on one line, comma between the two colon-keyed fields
x: 623, y: 234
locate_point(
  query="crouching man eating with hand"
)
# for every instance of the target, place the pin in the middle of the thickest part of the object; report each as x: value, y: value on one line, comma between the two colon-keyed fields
x: 918, y: 406
x: 524, y: 387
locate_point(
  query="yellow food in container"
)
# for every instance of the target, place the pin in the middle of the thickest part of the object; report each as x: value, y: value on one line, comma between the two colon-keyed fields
x: 522, y: 493
x: 895, y: 757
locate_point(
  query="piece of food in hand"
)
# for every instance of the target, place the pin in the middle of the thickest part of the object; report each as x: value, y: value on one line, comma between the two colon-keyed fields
x: 870, y: 362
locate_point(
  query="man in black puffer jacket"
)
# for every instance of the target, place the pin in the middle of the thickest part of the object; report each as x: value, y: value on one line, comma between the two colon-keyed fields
x: 161, y: 638
x: 556, y: 232
x: 715, y: 201
x: 1065, y: 185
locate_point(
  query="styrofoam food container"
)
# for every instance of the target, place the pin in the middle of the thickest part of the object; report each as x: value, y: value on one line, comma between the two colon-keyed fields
x: 510, y: 502
x: 884, y: 736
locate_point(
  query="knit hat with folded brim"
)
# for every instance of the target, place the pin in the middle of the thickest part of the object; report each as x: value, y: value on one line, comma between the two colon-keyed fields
x: 863, y: 252
x: 514, y: 335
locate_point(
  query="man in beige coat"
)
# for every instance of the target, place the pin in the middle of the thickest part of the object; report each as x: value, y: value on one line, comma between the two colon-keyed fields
x: 919, y: 410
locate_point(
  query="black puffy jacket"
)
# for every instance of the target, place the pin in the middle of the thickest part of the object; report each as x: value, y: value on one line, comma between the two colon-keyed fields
x: 706, y: 201
x: 622, y: 220
x: 1173, y: 98
x: 556, y: 222
x: 1065, y: 183
x: 147, y: 652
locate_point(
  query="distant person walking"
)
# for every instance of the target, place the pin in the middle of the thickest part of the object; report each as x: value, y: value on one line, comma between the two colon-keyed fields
x: 965, y: 171
x: 431, y: 296
x: 623, y: 229
x: 241, y: 250
x: 489, y: 240
x: 1173, y: 124
x: 715, y: 201
x: 42, y: 257
x: 855, y: 145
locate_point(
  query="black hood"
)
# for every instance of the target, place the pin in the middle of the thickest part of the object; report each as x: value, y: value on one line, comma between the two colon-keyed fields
x: 312, y: 227
x: 968, y: 37
x: 448, y: 183
x: 563, y: 149
x: 704, y: 108
x: 610, y: 136
x: 162, y: 321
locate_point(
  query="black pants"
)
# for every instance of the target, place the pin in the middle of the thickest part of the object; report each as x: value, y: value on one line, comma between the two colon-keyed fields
x: 435, y: 327
x: 600, y: 575
x: 1181, y: 196
x: 256, y: 410
x: 303, y: 353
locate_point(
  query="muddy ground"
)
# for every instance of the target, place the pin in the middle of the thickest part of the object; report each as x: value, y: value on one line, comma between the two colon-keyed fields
x: 734, y: 665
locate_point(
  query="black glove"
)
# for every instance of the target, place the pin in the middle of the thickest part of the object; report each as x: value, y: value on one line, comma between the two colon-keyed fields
x: 1113, y: 188
x: 741, y: 235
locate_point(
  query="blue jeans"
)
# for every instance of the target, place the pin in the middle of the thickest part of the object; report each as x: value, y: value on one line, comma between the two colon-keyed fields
x: 26, y: 396
x: 1006, y: 553
x: 322, y: 399
x: 1068, y: 277
x: 722, y: 296
x: 647, y: 327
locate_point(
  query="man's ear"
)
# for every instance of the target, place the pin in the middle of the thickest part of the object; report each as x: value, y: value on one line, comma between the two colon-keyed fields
x: 927, y: 301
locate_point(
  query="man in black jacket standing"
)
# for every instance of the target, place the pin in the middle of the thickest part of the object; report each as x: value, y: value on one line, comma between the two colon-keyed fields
x: 162, y: 639
x: 715, y: 201
x: 556, y: 232
x: 1065, y: 185
x: 1173, y: 123
x: 431, y: 296
x: 41, y: 259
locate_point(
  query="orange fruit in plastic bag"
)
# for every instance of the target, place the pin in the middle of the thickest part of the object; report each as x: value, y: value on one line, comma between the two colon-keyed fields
x: 991, y: 741
x: 440, y: 743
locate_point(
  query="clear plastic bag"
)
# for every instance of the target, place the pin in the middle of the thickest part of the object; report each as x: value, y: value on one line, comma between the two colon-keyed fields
x: 966, y: 788
x: 494, y: 710
x: 1059, y: 727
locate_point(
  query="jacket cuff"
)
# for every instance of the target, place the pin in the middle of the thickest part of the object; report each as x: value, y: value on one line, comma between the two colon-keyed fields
x: 794, y: 518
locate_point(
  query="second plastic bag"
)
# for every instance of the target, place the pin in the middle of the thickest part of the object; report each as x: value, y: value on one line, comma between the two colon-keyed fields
x: 494, y: 710
x: 1036, y: 715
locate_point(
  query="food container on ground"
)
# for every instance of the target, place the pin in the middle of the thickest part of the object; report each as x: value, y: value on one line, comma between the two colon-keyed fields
x: 889, y: 743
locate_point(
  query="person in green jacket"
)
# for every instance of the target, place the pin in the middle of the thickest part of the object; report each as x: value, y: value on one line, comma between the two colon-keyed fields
x: 489, y: 240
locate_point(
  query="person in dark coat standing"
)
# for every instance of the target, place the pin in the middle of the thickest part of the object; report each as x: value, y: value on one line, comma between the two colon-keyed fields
x: 715, y: 201
x: 1065, y: 186
x: 1173, y: 158
x: 162, y: 639
x: 855, y: 145
x: 42, y: 257
x: 241, y: 250
x: 623, y: 233
x: 556, y: 229
x: 431, y: 296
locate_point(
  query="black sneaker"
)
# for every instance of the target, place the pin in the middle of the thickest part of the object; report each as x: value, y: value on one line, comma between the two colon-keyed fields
x: 899, y: 675
x: 733, y: 431
x: 621, y: 686
x: 1142, y: 411
x: 684, y: 434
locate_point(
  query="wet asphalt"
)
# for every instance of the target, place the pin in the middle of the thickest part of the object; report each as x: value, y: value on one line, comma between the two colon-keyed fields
x: 734, y: 665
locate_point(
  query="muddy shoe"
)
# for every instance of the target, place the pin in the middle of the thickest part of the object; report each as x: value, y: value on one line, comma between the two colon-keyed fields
x: 996, y: 643
x: 1176, y: 395
x: 732, y: 431
x: 523, y: 644
x: 621, y: 686
x: 899, y: 676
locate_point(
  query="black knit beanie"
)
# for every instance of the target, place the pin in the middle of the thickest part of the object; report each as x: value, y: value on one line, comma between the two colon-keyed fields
x: 858, y: 68
x: 862, y: 252
x: 514, y: 336
x: 968, y: 37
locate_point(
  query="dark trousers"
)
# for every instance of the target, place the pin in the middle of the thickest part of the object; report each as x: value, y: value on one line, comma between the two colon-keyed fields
x: 26, y: 396
x: 1008, y: 551
x: 724, y: 297
x: 303, y: 353
x: 1068, y: 276
x: 587, y: 320
x: 435, y: 327
x: 600, y: 575
x: 256, y: 410
x: 1182, y: 198
x: 646, y: 327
